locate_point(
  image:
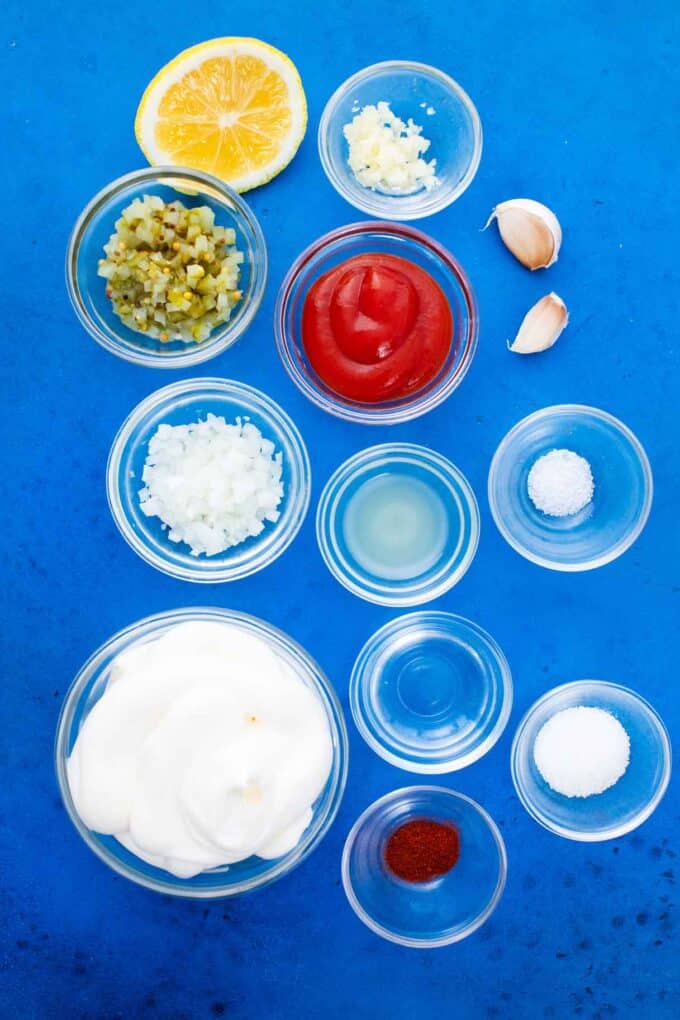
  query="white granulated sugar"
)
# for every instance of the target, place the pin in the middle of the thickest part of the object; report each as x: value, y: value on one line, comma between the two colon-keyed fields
x: 213, y: 485
x: 582, y: 751
x: 560, y: 483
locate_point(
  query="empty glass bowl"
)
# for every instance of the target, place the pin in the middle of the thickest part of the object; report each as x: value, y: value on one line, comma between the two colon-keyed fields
x: 90, y: 684
x: 397, y: 524
x: 95, y: 225
x: 385, y: 239
x: 435, y: 102
x: 622, y: 499
x: 431, y: 692
x: 184, y: 403
x: 623, y: 806
x: 428, y: 914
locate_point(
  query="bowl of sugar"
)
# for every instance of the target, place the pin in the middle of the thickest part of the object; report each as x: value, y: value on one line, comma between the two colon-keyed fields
x: 570, y: 487
x: 591, y: 760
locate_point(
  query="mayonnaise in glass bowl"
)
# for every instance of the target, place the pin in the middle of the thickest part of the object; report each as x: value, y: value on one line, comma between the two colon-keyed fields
x: 227, y: 880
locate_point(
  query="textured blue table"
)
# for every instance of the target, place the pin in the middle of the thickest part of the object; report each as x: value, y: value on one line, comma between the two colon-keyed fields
x: 580, y: 109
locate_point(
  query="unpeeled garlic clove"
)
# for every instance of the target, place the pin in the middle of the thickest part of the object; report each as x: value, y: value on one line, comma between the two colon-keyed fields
x: 541, y: 326
x: 530, y: 230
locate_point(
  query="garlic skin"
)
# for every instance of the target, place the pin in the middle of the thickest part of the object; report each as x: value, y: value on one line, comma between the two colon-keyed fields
x: 529, y: 230
x: 541, y: 326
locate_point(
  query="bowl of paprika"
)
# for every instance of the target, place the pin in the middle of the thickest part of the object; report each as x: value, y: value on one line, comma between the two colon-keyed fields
x: 424, y: 866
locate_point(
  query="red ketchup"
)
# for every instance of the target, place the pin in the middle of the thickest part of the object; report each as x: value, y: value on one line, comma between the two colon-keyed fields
x: 376, y: 327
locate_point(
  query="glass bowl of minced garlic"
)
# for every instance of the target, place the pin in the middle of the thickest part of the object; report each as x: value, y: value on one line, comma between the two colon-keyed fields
x: 166, y: 267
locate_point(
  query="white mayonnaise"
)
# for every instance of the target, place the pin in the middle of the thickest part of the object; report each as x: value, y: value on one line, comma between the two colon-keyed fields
x: 205, y: 748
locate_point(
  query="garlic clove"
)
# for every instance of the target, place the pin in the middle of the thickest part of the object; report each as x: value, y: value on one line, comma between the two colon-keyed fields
x: 530, y: 230
x: 541, y: 326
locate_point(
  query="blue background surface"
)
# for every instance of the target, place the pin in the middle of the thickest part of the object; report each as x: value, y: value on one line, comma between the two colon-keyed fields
x: 580, y: 107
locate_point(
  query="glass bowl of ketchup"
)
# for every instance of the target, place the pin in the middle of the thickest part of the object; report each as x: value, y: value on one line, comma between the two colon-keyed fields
x: 376, y: 323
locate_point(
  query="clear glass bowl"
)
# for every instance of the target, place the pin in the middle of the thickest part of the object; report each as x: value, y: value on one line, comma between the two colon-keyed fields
x: 608, y: 525
x: 431, y: 692
x: 181, y: 404
x: 429, y: 914
x: 622, y: 807
x: 95, y: 225
x: 454, y: 130
x: 455, y: 497
x: 384, y: 238
x: 253, y: 873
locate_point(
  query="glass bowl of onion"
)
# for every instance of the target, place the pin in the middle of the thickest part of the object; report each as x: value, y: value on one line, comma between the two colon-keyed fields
x: 208, y: 480
x: 254, y: 872
x: 167, y: 234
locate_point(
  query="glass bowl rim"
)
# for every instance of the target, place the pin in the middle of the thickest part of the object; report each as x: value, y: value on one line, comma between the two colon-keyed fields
x: 445, y: 940
x: 613, y: 831
x: 556, y: 410
x: 321, y: 684
x: 428, y: 458
x: 450, y: 764
x: 424, y: 71
x: 375, y: 414
x: 270, y: 409
x: 225, y: 335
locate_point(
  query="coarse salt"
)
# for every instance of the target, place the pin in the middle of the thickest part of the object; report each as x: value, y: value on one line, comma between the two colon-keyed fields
x: 213, y: 485
x: 560, y: 483
x: 582, y: 751
x: 385, y: 152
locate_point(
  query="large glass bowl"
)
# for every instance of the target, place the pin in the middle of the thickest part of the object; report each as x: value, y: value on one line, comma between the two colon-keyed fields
x: 183, y: 403
x: 95, y: 225
x: 622, y: 807
x: 253, y: 873
x: 622, y: 499
x: 434, y: 101
x: 428, y: 914
x: 431, y: 692
x: 383, y: 238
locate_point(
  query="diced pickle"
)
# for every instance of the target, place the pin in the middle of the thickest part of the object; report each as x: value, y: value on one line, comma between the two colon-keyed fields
x: 171, y: 272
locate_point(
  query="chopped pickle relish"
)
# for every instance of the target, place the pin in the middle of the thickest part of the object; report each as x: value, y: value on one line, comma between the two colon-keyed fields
x: 171, y: 272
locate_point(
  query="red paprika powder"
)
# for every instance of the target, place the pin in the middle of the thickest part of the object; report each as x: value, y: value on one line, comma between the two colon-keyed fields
x: 421, y: 850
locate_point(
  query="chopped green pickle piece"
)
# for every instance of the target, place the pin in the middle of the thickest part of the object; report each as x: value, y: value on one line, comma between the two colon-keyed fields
x: 171, y: 272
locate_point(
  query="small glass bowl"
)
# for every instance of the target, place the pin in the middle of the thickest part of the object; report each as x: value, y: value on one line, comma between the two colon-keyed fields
x: 453, y: 128
x: 608, y: 525
x: 455, y: 496
x: 228, y: 880
x: 383, y: 238
x: 622, y: 807
x: 431, y: 692
x: 428, y: 914
x: 95, y: 225
x: 183, y: 403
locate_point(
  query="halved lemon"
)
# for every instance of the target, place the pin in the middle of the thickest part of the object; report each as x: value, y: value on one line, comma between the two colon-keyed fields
x: 233, y: 107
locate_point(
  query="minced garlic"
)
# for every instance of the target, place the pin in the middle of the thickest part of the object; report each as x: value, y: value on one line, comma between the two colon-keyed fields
x: 385, y: 153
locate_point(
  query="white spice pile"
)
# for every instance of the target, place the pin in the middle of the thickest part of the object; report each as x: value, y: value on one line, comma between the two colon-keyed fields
x: 213, y: 485
x: 560, y: 483
x: 387, y: 153
x: 582, y: 751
